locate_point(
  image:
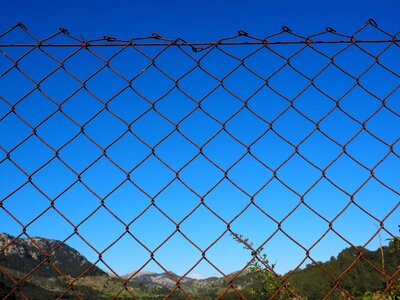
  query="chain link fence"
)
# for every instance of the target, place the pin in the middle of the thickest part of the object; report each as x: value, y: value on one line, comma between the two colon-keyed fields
x: 286, y: 145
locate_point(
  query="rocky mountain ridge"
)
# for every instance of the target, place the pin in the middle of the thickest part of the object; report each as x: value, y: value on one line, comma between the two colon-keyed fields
x: 25, y: 247
x: 152, y: 279
x: 25, y: 254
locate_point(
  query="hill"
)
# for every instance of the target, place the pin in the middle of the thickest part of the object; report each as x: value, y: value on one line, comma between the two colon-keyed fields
x: 24, y: 255
x: 351, y: 274
x: 358, y: 273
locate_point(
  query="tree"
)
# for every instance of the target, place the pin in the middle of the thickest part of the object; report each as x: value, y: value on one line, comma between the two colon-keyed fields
x: 271, y: 284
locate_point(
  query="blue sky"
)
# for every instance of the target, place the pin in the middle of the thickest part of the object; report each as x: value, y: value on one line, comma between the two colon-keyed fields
x: 192, y: 21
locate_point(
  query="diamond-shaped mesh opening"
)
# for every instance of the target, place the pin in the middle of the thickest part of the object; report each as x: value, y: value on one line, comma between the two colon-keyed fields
x: 16, y: 179
x: 272, y: 150
x: 144, y: 84
x: 42, y: 154
x: 385, y: 125
x: 177, y: 195
x: 217, y: 63
x: 268, y: 105
x: 62, y: 178
x: 246, y: 168
x: 176, y: 62
x: 310, y: 223
x: 88, y: 153
x: 156, y: 234
x: 206, y: 233
x: 27, y: 195
x: 326, y: 200
x: 246, y: 127
x: 361, y: 60
x: 333, y: 82
x: 57, y: 130
x: 201, y: 175
x: 149, y: 180
x: 176, y: 106
x: 288, y: 83
x: 103, y: 177
x: 319, y: 149
x: 242, y: 83
x: 46, y: 63
x: 110, y: 227
x: 257, y: 174
x: 276, y: 200
x: 38, y: 103
x: 152, y: 128
x: 360, y: 231
x: 280, y: 246
x: 380, y: 89
x: 309, y: 61
x: 15, y: 85
x: 199, y: 127
x: 128, y: 105
x: 20, y: 130
x: 221, y: 105
x: 128, y: 151
x: 127, y: 202
x: 83, y: 64
x: 360, y: 104
x: 376, y: 199
x: 176, y: 248
x: 60, y: 85
x: 225, y: 150
x: 340, y: 127
x: 314, y: 104
x: 293, y: 134
x: 226, y: 263
x: 226, y: 194
x: 77, y: 196
x: 40, y: 226
x: 124, y: 262
x: 112, y: 129
x: 357, y: 149
x: 347, y: 174
x: 253, y: 217
x: 189, y: 84
x: 299, y: 182
x: 82, y: 107
x: 176, y: 151
x: 130, y: 62
x: 105, y: 92
x: 265, y: 62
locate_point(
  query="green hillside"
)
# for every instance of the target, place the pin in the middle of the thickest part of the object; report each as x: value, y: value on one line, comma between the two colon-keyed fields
x: 367, y: 275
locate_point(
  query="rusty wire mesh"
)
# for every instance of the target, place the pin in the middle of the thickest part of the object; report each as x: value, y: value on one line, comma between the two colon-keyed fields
x: 283, y: 74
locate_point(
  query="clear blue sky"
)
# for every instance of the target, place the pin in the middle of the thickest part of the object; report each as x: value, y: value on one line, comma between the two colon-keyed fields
x: 198, y: 21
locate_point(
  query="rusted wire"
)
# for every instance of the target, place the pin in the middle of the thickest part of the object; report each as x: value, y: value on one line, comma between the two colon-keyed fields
x: 197, y: 53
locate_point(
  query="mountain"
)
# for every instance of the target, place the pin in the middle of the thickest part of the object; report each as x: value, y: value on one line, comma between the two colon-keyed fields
x: 25, y: 254
x: 151, y: 279
x: 359, y: 274
x: 21, y: 256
